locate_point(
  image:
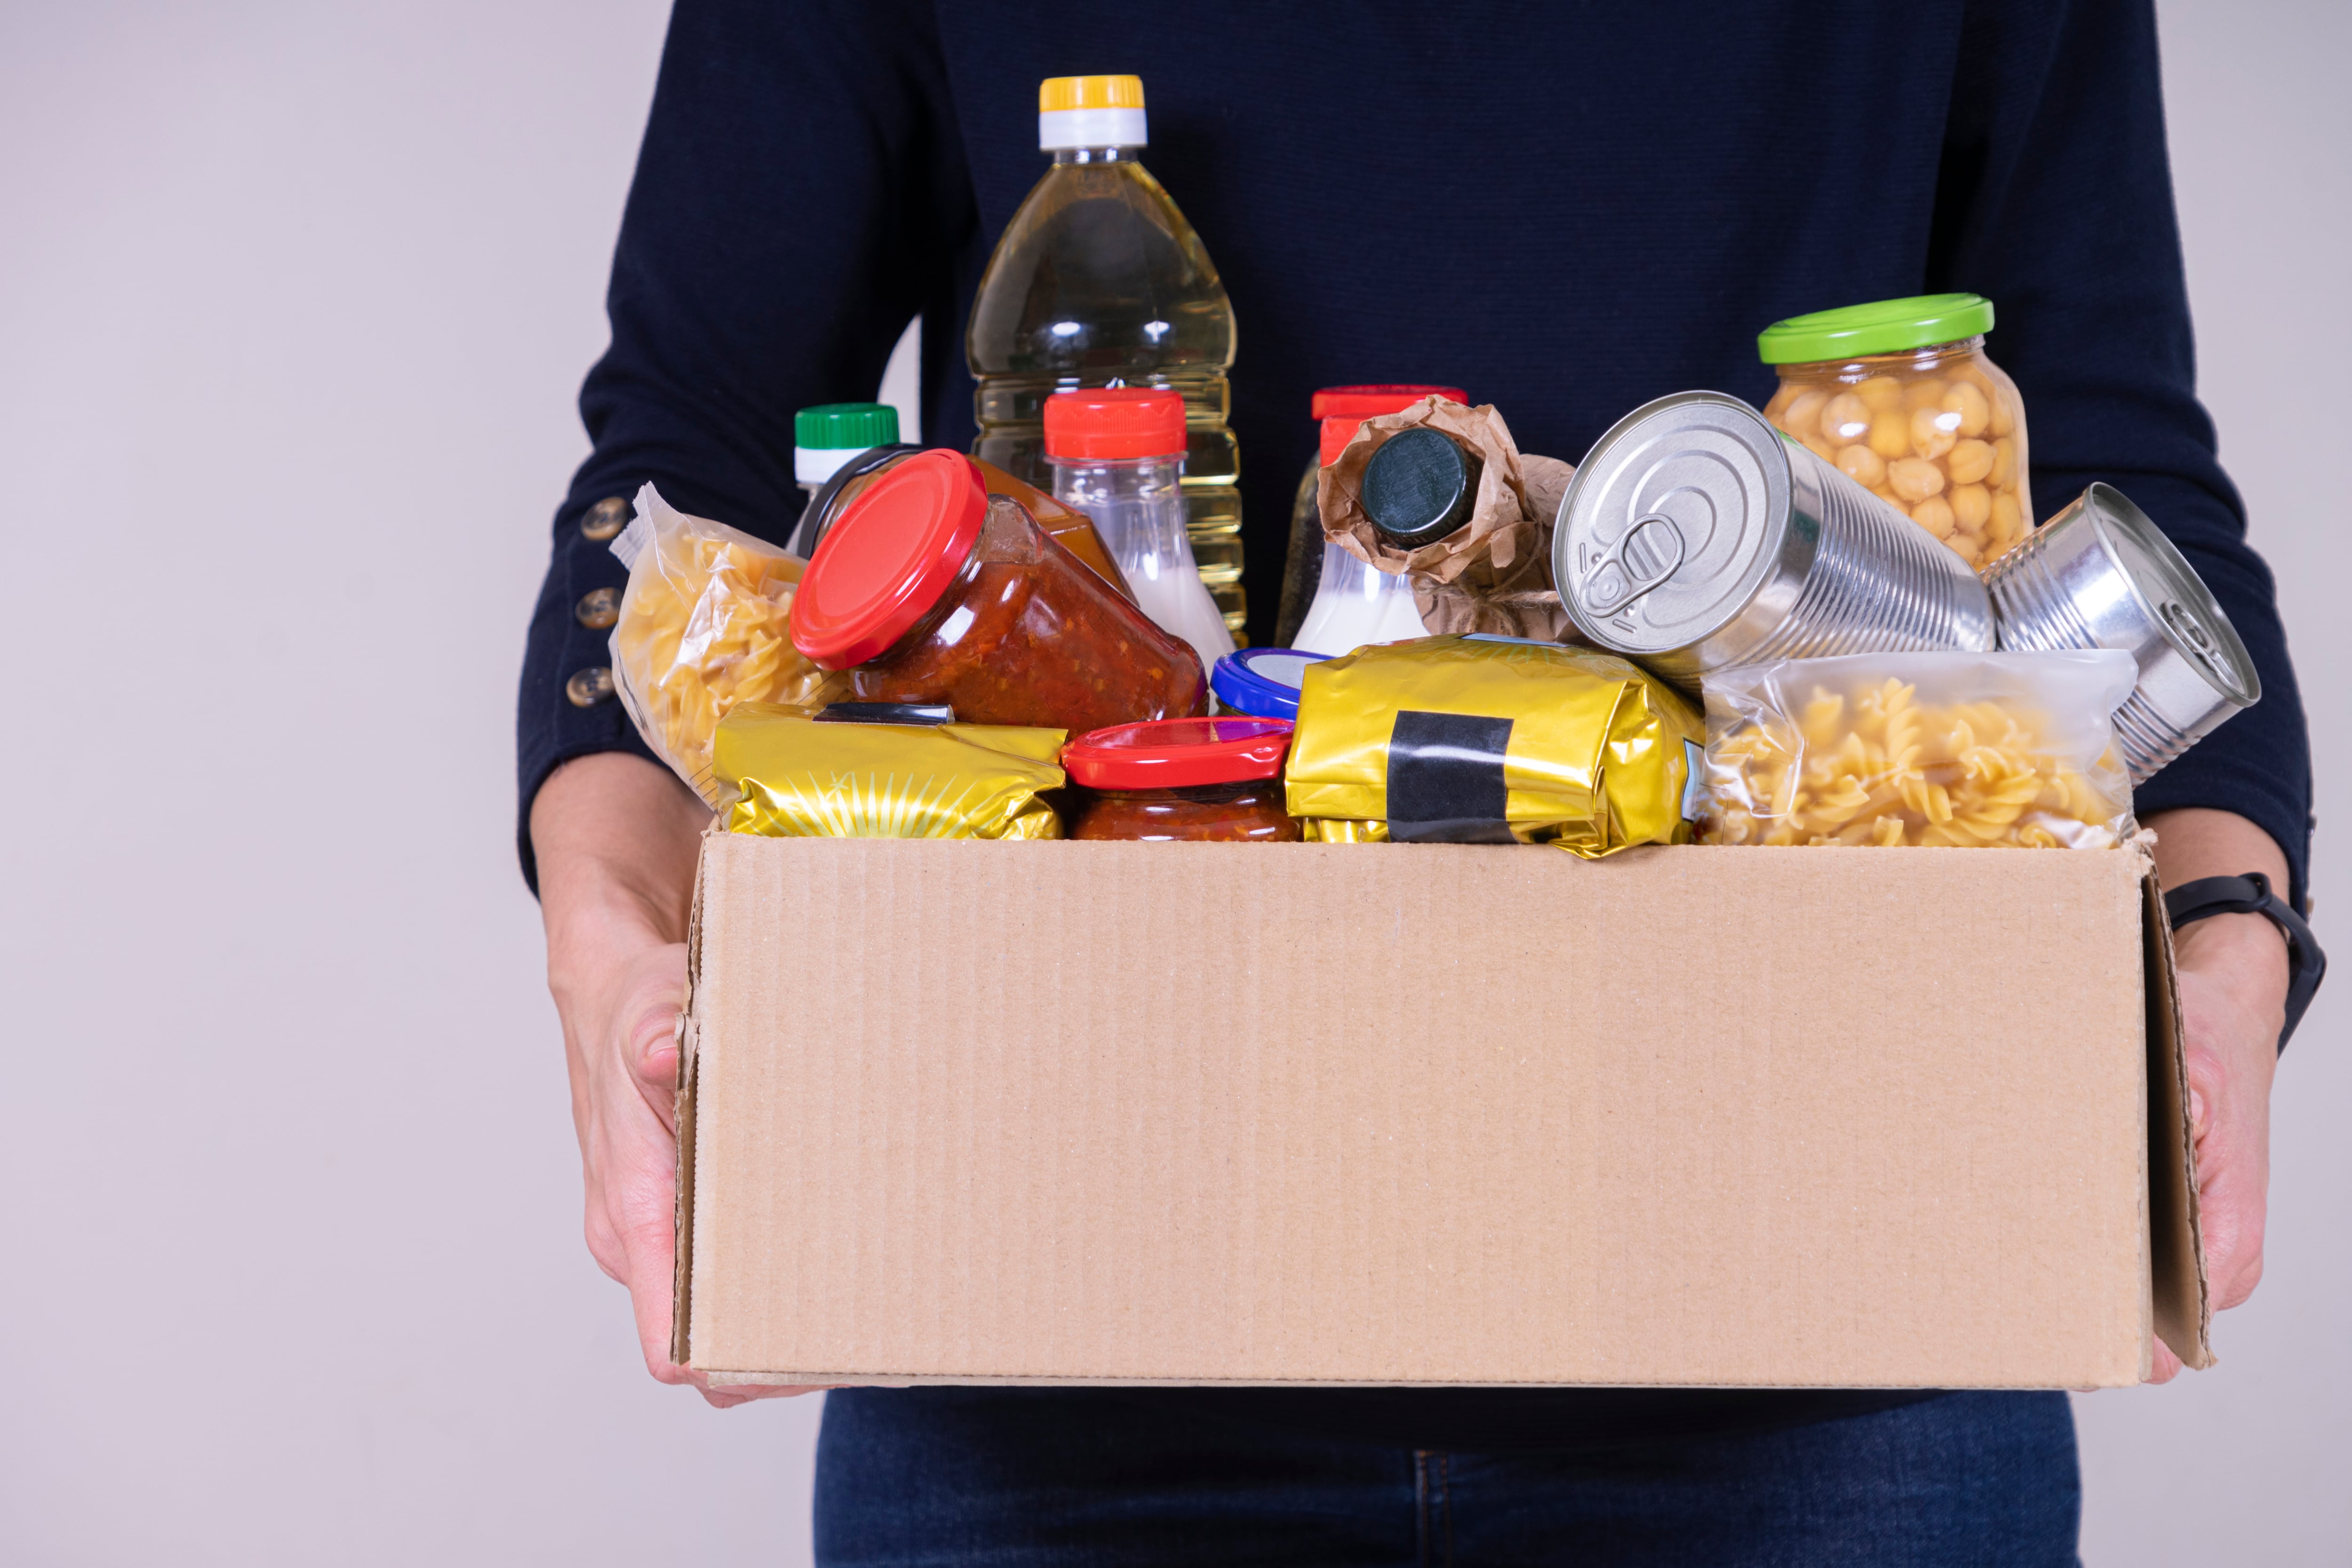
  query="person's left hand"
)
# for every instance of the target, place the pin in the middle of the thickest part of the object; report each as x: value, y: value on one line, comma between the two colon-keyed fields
x: 2232, y: 972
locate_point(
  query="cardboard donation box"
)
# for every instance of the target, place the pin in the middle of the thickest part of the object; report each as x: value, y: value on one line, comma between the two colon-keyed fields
x: 1079, y: 1112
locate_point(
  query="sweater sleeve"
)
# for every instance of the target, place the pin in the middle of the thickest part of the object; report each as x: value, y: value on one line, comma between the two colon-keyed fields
x: 2055, y: 202
x: 800, y: 195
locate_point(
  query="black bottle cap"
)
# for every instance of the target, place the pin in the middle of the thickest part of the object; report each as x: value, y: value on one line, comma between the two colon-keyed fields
x: 1419, y: 487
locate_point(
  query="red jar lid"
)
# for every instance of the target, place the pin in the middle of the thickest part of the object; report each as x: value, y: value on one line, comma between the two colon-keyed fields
x: 889, y: 558
x: 1344, y: 408
x: 1114, y: 423
x: 1167, y: 753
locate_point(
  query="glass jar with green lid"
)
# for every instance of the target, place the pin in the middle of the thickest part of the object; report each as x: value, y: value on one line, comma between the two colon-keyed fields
x: 1900, y: 395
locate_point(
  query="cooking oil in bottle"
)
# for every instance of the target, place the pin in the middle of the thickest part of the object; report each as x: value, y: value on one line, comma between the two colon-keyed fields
x: 1099, y: 281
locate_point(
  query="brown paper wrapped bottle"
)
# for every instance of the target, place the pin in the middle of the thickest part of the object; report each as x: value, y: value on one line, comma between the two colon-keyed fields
x: 1492, y: 571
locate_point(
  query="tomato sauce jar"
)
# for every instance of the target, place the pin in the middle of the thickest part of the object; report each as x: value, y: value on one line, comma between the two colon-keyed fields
x: 1201, y: 780
x: 931, y: 590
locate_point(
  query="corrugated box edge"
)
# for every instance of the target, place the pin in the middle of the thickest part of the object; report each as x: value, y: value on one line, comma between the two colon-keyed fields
x: 2184, y: 1309
x: 690, y: 1041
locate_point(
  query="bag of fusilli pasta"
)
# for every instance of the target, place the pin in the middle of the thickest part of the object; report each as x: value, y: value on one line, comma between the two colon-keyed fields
x: 1959, y: 750
x: 705, y: 624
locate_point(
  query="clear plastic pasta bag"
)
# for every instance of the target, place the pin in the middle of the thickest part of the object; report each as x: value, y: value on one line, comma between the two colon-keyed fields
x: 705, y: 624
x: 1961, y: 750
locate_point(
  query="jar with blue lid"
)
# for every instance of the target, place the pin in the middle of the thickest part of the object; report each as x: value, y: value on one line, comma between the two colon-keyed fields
x: 1261, y: 682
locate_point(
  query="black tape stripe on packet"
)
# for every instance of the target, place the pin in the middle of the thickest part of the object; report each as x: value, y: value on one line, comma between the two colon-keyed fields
x: 1445, y: 779
x: 886, y: 713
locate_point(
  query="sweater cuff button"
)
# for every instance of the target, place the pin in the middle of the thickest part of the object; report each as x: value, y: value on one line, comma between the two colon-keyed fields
x: 605, y: 519
x: 589, y: 687
x: 598, y: 608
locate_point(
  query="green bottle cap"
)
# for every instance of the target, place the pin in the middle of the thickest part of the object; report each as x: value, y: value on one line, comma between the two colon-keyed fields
x: 845, y: 426
x: 1887, y: 326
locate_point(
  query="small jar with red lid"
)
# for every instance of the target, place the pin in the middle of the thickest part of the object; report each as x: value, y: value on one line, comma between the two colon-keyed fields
x: 1182, y: 780
x: 927, y: 590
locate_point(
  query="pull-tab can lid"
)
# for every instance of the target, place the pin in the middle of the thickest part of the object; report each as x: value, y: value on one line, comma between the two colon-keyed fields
x: 2179, y: 604
x: 1674, y: 524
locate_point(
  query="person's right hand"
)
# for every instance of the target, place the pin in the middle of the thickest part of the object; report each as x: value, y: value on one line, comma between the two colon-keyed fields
x: 615, y: 839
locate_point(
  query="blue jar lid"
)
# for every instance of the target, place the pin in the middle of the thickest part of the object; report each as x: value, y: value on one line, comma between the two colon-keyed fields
x: 1261, y: 682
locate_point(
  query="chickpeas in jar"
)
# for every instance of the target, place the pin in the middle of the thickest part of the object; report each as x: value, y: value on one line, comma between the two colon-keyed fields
x: 1900, y: 397
x: 1182, y: 780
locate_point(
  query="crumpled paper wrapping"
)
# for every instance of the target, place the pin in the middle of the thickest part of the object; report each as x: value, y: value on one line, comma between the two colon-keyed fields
x: 1492, y: 574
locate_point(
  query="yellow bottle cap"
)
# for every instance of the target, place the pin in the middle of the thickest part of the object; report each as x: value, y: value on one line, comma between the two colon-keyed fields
x: 1060, y: 92
x: 1076, y: 112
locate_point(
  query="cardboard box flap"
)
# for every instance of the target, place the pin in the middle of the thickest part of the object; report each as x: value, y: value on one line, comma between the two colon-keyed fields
x: 2184, y: 1312
x: 968, y: 1112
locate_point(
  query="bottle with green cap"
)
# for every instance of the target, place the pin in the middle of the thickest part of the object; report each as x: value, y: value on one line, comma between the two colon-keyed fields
x: 1099, y: 281
x: 826, y: 436
x: 1900, y: 395
x: 834, y: 444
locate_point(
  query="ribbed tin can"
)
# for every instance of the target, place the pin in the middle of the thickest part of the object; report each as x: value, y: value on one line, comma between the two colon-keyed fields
x: 1696, y: 537
x: 2100, y: 574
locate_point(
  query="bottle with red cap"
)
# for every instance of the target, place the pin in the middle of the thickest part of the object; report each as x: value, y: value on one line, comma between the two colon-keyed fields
x: 1197, y: 780
x: 931, y: 590
x: 1332, y: 602
x: 1118, y: 456
x: 1098, y: 281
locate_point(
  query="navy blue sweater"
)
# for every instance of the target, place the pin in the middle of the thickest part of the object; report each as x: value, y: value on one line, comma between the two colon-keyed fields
x: 1617, y: 198
x: 1565, y: 207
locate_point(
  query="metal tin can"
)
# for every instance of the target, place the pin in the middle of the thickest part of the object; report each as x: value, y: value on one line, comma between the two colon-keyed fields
x: 2100, y: 574
x: 1696, y: 536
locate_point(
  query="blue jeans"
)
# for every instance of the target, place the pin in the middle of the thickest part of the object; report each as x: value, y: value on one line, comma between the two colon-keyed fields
x: 1063, y: 1477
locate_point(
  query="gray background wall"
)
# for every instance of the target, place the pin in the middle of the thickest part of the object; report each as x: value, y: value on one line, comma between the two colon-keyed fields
x: 294, y: 300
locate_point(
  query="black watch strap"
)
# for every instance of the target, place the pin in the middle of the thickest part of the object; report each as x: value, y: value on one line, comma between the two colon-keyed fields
x: 2251, y: 895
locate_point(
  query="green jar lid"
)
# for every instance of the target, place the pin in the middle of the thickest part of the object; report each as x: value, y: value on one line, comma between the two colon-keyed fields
x: 845, y: 426
x: 1886, y: 327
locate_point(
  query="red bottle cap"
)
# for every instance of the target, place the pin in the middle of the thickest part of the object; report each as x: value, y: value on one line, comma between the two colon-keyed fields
x: 1115, y: 421
x: 1343, y: 409
x: 889, y: 558
x: 1167, y: 753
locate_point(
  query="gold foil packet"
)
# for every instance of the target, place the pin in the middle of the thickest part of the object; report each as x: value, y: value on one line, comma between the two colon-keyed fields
x: 1478, y: 740
x: 796, y: 776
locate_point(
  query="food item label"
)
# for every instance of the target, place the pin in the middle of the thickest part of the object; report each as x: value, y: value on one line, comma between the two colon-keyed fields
x: 1446, y: 781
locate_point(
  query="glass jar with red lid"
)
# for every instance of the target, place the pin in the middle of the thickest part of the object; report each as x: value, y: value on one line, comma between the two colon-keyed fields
x: 930, y: 590
x: 1199, y: 780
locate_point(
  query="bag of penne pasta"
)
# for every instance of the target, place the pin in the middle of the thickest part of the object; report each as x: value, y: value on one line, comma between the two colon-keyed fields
x: 1954, y: 749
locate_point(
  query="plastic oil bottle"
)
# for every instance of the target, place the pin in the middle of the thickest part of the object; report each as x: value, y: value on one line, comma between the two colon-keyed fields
x: 1099, y: 281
